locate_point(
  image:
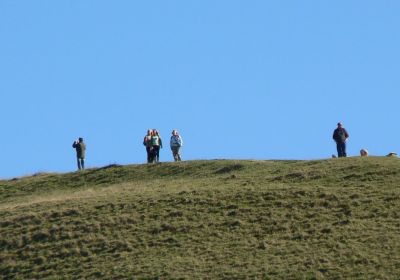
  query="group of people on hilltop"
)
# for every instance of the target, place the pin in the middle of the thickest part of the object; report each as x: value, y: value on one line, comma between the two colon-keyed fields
x: 153, y: 143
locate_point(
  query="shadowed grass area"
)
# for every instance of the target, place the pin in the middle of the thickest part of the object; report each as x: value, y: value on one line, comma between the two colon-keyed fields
x: 222, y: 219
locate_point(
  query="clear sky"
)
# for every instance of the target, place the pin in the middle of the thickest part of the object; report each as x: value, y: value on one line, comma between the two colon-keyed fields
x: 239, y: 79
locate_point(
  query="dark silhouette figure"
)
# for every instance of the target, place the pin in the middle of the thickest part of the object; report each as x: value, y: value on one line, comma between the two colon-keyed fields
x: 80, y: 148
x: 147, y: 144
x: 340, y: 136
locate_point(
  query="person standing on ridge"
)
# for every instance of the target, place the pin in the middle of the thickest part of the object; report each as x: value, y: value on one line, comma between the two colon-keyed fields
x: 80, y: 148
x: 147, y: 144
x: 176, y: 143
x: 156, y: 144
x: 340, y: 136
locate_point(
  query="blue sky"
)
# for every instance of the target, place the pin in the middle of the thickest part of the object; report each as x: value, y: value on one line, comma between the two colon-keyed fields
x: 238, y: 79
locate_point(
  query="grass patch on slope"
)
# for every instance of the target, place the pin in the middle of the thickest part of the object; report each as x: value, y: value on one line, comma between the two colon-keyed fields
x: 330, y: 219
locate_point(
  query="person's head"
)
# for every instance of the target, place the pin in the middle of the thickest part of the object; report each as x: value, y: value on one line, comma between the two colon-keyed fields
x: 339, y: 124
x: 149, y: 132
x: 174, y: 132
x: 80, y: 139
x: 155, y: 132
x: 363, y: 153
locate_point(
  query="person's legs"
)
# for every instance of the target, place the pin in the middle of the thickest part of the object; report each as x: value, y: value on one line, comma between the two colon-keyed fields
x: 175, y: 153
x: 156, y: 150
x: 79, y: 163
x: 344, y: 154
x: 173, y: 149
x: 148, y: 150
x: 83, y: 163
x: 341, y: 149
x: 151, y: 157
x: 154, y: 154
x: 339, y: 153
x: 178, y: 155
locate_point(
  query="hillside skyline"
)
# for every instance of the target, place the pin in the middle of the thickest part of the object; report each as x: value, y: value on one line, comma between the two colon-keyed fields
x: 238, y: 80
x: 217, y: 219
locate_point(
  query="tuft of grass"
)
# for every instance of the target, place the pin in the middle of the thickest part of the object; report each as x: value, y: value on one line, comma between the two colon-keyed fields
x: 221, y: 219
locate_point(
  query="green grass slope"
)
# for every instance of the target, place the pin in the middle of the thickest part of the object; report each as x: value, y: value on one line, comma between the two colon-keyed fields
x: 329, y: 219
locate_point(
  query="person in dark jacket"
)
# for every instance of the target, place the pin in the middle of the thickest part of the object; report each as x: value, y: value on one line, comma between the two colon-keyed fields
x: 80, y: 148
x: 340, y: 136
x: 147, y: 144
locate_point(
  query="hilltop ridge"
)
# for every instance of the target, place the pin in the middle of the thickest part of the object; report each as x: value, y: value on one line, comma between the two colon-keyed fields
x: 225, y: 219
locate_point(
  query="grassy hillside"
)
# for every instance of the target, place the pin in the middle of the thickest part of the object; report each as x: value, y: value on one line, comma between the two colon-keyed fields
x: 330, y: 219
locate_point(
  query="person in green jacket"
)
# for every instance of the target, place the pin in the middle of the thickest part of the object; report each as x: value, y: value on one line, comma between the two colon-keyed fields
x: 156, y: 144
x: 80, y: 148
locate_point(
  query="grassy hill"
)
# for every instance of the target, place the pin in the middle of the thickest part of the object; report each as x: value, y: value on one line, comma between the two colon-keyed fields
x: 329, y: 219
